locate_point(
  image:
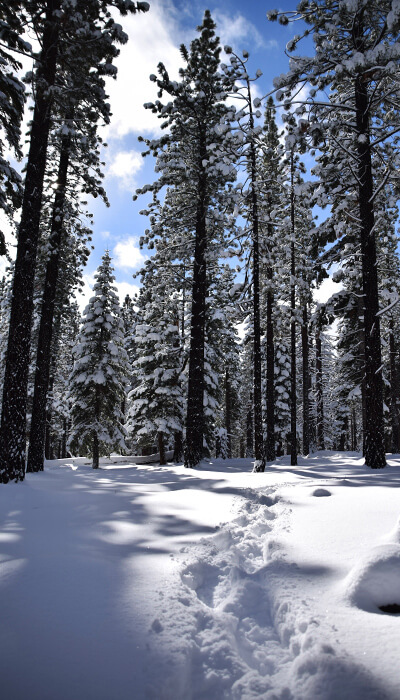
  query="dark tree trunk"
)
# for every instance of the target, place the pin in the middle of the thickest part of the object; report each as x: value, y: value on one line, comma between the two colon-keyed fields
x: 95, y: 451
x: 293, y: 398
x: 270, y: 367
x: 319, y: 390
x: 353, y: 430
x: 13, y: 418
x: 306, y: 382
x: 195, y: 409
x: 394, y: 394
x: 228, y: 414
x: 178, y: 446
x: 259, y: 465
x: 64, y: 439
x: 361, y: 338
x: 161, y: 448
x: 47, y: 437
x: 374, y: 438
x: 36, y: 441
x: 249, y: 429
x: 343, y: 434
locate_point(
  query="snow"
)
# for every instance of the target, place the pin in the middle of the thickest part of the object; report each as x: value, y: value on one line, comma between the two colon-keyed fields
x: 165, y: 583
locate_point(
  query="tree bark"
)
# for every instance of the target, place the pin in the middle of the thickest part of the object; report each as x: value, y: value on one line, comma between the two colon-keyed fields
x: 306, y: 381
x: 394, y: 393
x: 13, y: 418
x: 95, y: 451
x: 195, y: 408
x: 259, y: 465
x: 319, y: 390
x: 178, y: 446
x: 293, y: 398
x: 36, y: 441
x: 161, y: 448
x: 374, y: 438
x: 228, y: 414
x: 270, y: 367
x: 249, y: 429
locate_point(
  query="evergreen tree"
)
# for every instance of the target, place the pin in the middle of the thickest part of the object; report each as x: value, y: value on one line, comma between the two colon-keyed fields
x: 99, y: 377
x: 156, y: 401
x: 195, y: 157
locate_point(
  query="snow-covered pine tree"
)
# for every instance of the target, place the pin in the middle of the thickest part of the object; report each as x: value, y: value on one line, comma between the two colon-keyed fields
x: 57, y: 23
x: 272, y: 203
x: 58, y: 409
x: 252, y: 201
x: 356, y: 64
x: 196, y: 157
x: 74, y: 163
x: 100, y: 375
x: 156, y: 402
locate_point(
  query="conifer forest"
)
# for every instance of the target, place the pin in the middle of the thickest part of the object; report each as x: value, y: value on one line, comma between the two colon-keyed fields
x: 225, y: 352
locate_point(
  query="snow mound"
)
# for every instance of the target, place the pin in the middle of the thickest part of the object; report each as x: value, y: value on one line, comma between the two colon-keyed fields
x: 394, y: 535
x: 375, y: 580
x: 321, y: 492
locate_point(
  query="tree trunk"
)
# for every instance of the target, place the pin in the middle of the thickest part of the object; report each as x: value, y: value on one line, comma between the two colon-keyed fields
x: 95, y: 451
x: 195, y: 408
x: 293, y: 398
x: 306, y: 382
x: 36, y: 441
x: 249, y: 429
x: 228, y: 414
x: 13, y: 418
x: 64, y: 439
x: 178, y: 446
x: 374, y: 438
x: 161, y: 448
x: 270, y: 367
x: 394, y: 394
x: 319, y: 390
x: 259, y: 465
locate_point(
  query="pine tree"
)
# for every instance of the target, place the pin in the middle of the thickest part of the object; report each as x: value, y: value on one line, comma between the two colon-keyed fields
x: 75, y: 145
x: 195, y: 158
x: 156, y: 401
x: 272, y: 199
x: 99, y: 377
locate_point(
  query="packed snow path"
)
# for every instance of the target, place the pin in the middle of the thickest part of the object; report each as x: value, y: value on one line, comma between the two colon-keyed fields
x: 148, y: 582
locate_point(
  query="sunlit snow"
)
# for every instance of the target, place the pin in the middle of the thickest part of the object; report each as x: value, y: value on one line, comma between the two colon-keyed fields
x: 140, y: 581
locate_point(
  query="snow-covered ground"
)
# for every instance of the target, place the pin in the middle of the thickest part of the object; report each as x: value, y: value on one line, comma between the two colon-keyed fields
x: 162, y: 583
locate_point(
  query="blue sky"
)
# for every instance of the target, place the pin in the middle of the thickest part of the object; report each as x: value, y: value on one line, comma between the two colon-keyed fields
x: 156, y: 37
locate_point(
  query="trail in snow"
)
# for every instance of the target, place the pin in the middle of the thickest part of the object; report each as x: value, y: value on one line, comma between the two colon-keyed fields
x: 252, y: 636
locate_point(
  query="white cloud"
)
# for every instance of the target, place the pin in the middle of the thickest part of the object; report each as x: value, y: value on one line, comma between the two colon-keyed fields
x: 124, y: 288
x: 127, y: 254
x: 236, y: 29
x: 124, y: 166
x: 153, y: 37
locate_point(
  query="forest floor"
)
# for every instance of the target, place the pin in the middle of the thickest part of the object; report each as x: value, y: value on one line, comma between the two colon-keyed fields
x: 140, y: 582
